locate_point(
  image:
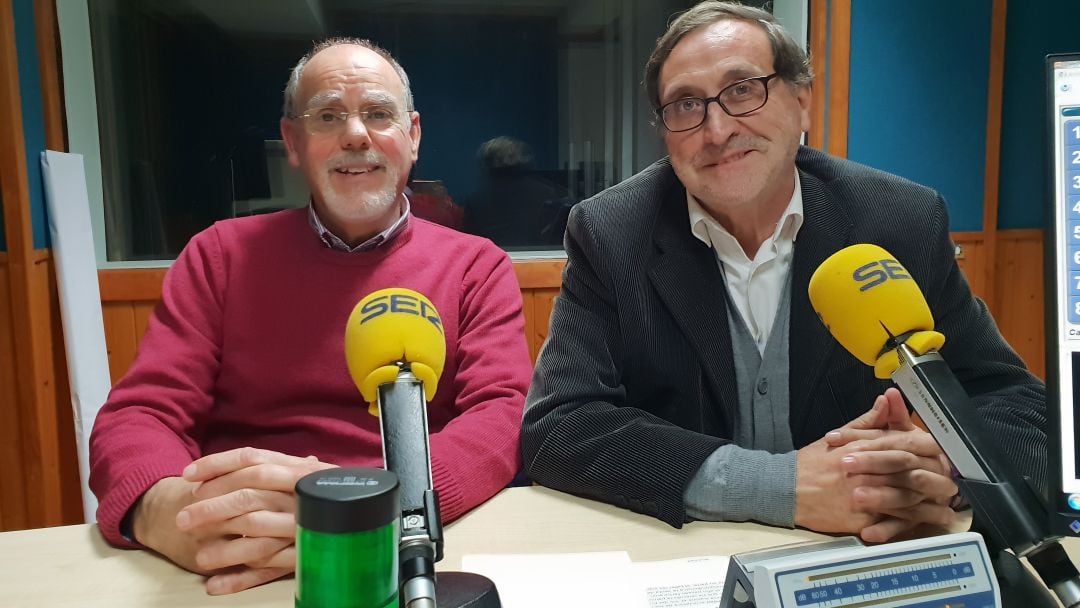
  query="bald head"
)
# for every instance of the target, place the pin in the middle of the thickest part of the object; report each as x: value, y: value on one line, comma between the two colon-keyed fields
x: 292, y: 102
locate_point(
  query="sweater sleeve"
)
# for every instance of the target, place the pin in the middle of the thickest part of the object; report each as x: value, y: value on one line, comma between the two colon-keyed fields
x: 147, y: 429
x: 476, y: 454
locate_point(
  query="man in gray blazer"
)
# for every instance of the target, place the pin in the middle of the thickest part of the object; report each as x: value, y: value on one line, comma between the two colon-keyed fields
x: 685, y: 374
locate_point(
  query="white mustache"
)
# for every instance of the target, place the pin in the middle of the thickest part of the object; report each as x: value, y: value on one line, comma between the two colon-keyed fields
x: 369, y: 157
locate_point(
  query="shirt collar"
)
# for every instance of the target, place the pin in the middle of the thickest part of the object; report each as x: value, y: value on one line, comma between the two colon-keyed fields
x: 705, y: 228
x: 333, y: 241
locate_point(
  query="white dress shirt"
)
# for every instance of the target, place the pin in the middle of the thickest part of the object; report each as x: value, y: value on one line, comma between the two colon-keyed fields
x: 754, y: 285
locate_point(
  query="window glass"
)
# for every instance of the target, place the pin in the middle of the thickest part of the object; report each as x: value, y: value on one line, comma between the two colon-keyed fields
x: 527, y: 107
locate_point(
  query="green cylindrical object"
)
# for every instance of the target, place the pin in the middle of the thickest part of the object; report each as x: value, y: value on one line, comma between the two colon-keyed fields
x: 347, y: 539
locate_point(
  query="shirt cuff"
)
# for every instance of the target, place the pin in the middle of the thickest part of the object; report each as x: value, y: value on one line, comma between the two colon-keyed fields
x: 737, y: 484
x: 127, y: 525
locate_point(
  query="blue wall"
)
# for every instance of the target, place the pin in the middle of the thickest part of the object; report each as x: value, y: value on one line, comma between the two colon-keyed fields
x: 917, y: 106
x: 33, y: 115
x: 1034, y: 28
x: 467, y: 78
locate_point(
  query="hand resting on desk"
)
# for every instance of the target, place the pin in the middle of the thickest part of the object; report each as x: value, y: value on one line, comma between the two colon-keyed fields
x: 878, y: 476
x: 231, y: 516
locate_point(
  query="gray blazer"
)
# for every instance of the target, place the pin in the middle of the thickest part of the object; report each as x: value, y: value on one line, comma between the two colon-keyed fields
x: 635, y: 386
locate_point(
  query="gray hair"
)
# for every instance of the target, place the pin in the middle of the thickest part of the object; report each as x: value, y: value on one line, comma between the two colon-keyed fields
x: 292, y: 87
x: 789, y: 59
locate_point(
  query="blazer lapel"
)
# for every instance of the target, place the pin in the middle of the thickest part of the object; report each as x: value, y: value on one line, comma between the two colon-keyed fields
x: 688, y: 281
x: 825, y: 230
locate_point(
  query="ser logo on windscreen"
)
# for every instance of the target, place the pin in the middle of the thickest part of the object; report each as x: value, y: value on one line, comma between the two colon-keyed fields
x: 876, y: 273
x: 400, y: 303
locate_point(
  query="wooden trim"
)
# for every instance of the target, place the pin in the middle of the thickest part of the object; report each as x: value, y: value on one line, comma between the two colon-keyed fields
x: 967, y: 237
x: 14, y: 182
x: 534, y: 274
x: 131, y: 284
x: 819, y: 29
x: 839, y: 76
x: 12, y: 504
x: 993, y: 145
x: 31, y: 304
x: 141, y: 284
x: 1021, y: 234
x: 1021, y: 294
x: 14, y: 186
x: 52, y: 94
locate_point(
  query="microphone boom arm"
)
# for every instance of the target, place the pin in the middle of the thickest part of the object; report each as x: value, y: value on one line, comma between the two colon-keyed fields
x: 421, y: 542
x: 1006, y: 503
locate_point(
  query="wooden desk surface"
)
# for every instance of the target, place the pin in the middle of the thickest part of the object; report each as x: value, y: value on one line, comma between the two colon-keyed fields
x: 72, y: 565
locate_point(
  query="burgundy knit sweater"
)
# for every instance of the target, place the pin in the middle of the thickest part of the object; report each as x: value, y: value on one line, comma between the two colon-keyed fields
x: 247, y: 349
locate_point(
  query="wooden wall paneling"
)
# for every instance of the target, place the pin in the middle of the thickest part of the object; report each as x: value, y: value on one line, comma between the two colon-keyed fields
x: 29, y: 295
x: 48, y: 47
x: 131, y: 284
x: 972, y: 261
x: 121, y: 340
x: 529, y: 311
x: 141, y: 313
x: 52, y: 94
x: 42, y: 452
x: 12, y: 504
x: 13, y: 195
x: 1020, y: 296
x: 993, y: 145
x: 541, y: 280
x: 839, y: 76
x: 532, y: 274
x: 819, y: 26
x: 545, y: 301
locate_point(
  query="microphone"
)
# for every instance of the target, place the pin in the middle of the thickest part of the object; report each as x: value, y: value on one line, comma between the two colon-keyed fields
x: 395, y: 348
x: 873, y: 307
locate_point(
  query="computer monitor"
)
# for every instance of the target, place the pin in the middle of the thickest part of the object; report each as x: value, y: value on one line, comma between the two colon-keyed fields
x: 1063, y: 291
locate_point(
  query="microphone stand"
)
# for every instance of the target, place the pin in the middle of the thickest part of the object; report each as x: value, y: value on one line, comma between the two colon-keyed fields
x: 1010, y: 509
x: 407, y: 453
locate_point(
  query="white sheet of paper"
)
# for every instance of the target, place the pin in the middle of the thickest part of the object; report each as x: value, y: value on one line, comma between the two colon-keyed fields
x: 692, y: 582
x: 573, y: 580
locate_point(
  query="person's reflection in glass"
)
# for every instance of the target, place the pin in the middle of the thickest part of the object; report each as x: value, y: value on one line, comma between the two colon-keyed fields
x: 515, y: 206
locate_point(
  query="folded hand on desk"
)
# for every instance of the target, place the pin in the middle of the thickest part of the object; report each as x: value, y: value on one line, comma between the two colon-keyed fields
x: 231, y: 516
x: 878, y: 476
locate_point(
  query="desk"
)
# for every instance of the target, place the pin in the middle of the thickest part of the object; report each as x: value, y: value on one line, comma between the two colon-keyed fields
x: 72, y: 566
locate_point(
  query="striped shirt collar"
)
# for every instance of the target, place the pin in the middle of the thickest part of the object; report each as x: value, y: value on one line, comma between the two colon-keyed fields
x: 332, y: 241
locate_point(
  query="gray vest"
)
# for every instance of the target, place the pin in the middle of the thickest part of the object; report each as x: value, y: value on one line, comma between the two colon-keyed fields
x: 762, y: 379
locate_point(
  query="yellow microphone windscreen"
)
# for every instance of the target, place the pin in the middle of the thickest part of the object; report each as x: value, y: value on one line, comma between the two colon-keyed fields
x: 392, y: 325
x: 864, y: 297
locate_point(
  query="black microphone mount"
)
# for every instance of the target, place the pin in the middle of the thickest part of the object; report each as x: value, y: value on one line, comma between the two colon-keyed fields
x: 1014, y: 514
x: 407, y: 453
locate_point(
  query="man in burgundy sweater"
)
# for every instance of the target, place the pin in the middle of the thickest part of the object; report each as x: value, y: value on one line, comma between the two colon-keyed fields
x: 240, y: 386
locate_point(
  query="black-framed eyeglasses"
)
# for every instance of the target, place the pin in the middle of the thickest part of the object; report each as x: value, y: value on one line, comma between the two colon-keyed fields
x: 737, y: 99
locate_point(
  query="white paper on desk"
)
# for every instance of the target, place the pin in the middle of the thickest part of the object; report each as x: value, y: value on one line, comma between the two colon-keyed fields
x: 568, y: 580
x: 693, y: 582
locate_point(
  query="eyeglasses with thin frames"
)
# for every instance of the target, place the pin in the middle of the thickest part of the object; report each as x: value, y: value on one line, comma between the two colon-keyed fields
x: 737, y: 99
x: 328, y: 121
